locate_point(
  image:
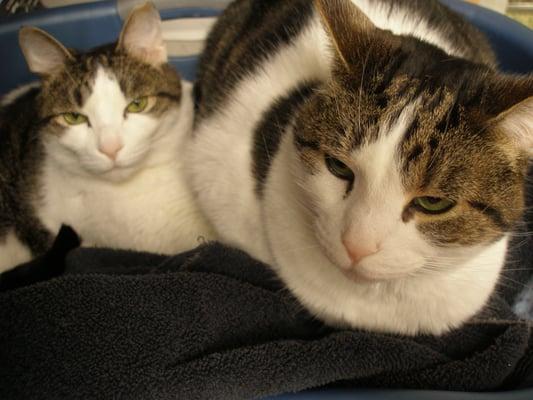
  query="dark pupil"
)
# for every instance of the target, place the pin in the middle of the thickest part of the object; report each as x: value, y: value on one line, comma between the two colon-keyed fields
x: 433, y: 200
x: 75, y: 115
x: 136, y: 102
x: 340, y: 165
x: 339, y: 169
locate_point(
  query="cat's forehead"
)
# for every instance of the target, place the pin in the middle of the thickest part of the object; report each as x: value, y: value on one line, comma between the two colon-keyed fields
x: 445, y: 140
x: 443, y: 105
x: 418, y: 71
x: 106, y: 99
x: 96, y: 70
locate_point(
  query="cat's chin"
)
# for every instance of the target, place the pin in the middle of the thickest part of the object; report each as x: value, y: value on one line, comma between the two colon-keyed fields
x: 364, y: 277
x: 118, y: 174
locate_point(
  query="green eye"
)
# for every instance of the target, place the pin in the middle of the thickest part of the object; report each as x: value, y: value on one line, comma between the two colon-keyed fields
x: 75, y: 118
x: 339, y: 169
x: 433, y: 205
x: 137, y: 105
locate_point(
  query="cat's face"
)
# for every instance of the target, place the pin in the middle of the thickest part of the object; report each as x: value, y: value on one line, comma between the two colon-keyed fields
x: 104, y: 111
x: 395, y: 193
x: 411, y: 165
x: 107, y: 112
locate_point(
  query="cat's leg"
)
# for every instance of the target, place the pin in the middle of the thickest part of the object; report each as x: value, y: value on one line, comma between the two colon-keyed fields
x: 12, y: 252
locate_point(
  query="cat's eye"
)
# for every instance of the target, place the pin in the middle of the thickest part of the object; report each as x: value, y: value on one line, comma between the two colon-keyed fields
x: 433, y: 205
x: 339, y: 169
x: 75, y: 118
x: 137, y: 105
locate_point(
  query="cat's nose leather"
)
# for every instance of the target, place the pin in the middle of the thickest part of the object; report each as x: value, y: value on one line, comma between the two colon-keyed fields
x: 110, y: 149
x: 357, y: 252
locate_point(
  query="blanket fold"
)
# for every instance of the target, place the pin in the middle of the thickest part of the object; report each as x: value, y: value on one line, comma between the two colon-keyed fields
x: 215, y: 324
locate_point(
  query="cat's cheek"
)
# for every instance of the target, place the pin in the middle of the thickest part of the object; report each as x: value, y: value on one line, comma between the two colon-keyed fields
x: 329, y: 227
x: 74, y: 138
x: 324, y: 193
x: 328, y: 237
x: 325, y: 199
x: 137, y: 135
x: 81, y: 150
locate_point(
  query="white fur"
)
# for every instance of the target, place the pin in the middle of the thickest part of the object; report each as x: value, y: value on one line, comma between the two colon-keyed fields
x: 523, y: 304
x: 221, y: 156
x: 18, y: 92
x: 12, y: 251
x: 403, y: 22
x: 299, y: 225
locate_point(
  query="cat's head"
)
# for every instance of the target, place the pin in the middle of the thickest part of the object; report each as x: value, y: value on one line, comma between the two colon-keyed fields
x: 103, y: 111
x: 410, y: 161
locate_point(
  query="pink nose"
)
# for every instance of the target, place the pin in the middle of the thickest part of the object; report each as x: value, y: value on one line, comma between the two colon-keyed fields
x: 111, y: 149
x: 358, y: 252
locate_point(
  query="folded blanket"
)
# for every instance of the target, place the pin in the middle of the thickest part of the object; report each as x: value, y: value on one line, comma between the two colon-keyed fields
x: 215, y: 324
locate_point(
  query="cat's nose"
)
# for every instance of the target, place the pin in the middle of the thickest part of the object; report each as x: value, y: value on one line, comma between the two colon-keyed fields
x: 359, y: 251
x: 110, y: 149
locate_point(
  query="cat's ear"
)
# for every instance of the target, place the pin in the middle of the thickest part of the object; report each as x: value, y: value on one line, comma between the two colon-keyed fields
x: 515, y: 110
x: 351, y: 32
x: 43, y: 53
x: 142, y: 36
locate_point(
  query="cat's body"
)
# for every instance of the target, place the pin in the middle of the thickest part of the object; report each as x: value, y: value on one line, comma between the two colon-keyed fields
x: 152, y: 211
x: 117, y: 178
x: 286, y: 85
x: 251, y: 31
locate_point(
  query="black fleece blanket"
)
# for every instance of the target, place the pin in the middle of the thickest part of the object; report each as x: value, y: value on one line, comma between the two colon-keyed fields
x: 215, y: 324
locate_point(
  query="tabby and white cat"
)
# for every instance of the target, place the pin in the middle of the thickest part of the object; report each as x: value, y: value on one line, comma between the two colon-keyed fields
x: 97, y: 145
x: 369, y: 150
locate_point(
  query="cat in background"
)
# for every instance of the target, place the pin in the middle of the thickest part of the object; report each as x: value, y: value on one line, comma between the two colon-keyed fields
x: 370, y: 151
x: 97, y: 145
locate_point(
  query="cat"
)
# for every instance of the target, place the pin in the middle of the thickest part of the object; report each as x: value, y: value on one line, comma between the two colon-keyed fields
x: 369, y: 151
x: 96, y: 145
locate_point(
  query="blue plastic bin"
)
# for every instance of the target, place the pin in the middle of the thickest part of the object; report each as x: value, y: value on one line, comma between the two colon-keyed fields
x: 89, y: 25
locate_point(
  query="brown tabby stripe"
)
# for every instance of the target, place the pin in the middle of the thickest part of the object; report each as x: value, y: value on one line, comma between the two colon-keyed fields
x: 270, y: 130
x: 490, y: 212
x: 245, y: 35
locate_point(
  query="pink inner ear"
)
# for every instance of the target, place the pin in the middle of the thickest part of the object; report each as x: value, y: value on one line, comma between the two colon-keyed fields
x: 518, y: 123
x: 43, y: 53
x: 142, y: 36
x: 156, y: 55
